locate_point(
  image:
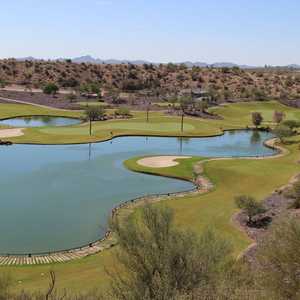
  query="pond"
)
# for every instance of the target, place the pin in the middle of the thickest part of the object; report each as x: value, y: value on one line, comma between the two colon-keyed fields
x: 59, y: 197
x: 39, y: 121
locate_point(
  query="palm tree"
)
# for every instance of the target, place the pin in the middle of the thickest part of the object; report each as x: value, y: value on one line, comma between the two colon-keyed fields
x: 184, y: 103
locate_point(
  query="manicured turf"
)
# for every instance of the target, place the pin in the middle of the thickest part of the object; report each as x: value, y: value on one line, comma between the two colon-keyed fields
x: 15, y: 110
x: 183, y: 170
x: 231, y: 177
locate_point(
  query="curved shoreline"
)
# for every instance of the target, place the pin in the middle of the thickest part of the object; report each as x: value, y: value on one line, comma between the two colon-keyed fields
x: 202, y: 185
x: 115, y: 136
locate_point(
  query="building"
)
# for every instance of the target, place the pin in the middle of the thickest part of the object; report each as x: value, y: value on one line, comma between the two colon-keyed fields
x: 197, y: 94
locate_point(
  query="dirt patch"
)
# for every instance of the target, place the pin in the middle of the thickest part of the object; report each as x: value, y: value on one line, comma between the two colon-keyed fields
x: 160, y: 161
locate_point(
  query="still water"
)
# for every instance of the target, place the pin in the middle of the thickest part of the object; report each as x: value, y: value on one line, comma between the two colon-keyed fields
x: 39, y: 121
x: 59, y: 197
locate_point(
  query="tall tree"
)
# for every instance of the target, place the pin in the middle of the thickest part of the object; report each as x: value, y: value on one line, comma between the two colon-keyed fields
x: 278, y: 116
x: 257, y: 118
x: 51, y: 89
x: 184, y: 102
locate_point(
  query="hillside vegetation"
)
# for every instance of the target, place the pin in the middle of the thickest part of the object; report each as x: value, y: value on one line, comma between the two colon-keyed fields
x: 222, y: 83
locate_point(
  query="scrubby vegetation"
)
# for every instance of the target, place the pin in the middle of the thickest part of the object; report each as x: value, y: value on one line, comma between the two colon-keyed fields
x: 250, y: 206
x: 222, y: 84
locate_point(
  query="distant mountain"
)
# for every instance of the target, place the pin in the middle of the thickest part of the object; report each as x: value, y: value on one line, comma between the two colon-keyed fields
x: 294, y: 66
x: 91, y: 60
x: 195, y: 64
x: 29, y: 58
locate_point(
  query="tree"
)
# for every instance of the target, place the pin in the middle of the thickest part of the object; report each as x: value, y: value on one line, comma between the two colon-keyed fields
x: 282, y: 132
x: 173, y: 101
x: 201, y: 106
x: 123, y: 111
x: 257, y: 119
x: 50, y: 89
x: 71, y: 97
x: 94, y: 113
x: 259, y: 94
x: 148, y: 106
x: 2, y: 83
x: 159, y: 261
x: 278, y: 116
x: 250, y: 206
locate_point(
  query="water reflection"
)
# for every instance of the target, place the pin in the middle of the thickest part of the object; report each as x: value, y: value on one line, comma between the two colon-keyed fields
x: 255, y: 138
x: 90, y: 151
x: 181, y: 142
x: 39, y: 121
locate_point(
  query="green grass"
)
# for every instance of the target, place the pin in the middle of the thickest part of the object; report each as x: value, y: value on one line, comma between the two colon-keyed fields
x: 231, y: 177
x: 15, y: 110
x: 184, y: 170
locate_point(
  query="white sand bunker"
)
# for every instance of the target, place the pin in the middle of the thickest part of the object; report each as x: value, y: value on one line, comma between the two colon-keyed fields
x: 7, y: 133
x: 160, y: 161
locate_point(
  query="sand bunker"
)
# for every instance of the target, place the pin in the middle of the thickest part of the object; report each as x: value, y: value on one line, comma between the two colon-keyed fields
x: 7, y: 133
x: 160, y: 161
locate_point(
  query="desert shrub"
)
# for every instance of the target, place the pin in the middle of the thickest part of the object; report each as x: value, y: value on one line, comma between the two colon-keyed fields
x: 158, y: 261
x: 50, y: 89
x: 71, y: 97
x: 279, y: 260
x: 250, y: 206
x: 259, y: 94
x: 123, y: 111
x: 2, y: 83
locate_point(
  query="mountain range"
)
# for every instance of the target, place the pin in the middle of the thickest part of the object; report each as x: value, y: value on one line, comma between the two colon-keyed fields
x: 92, y: 60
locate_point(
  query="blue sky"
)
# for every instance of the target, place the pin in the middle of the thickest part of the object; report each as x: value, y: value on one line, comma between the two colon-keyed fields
x: 253, y: 32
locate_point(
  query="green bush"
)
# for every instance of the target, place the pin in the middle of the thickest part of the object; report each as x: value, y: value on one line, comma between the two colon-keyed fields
x: 282, y: 131
x: 50, y: 89
x: 123, y: 111
x: 291, y: 124
x: 250, y: 206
